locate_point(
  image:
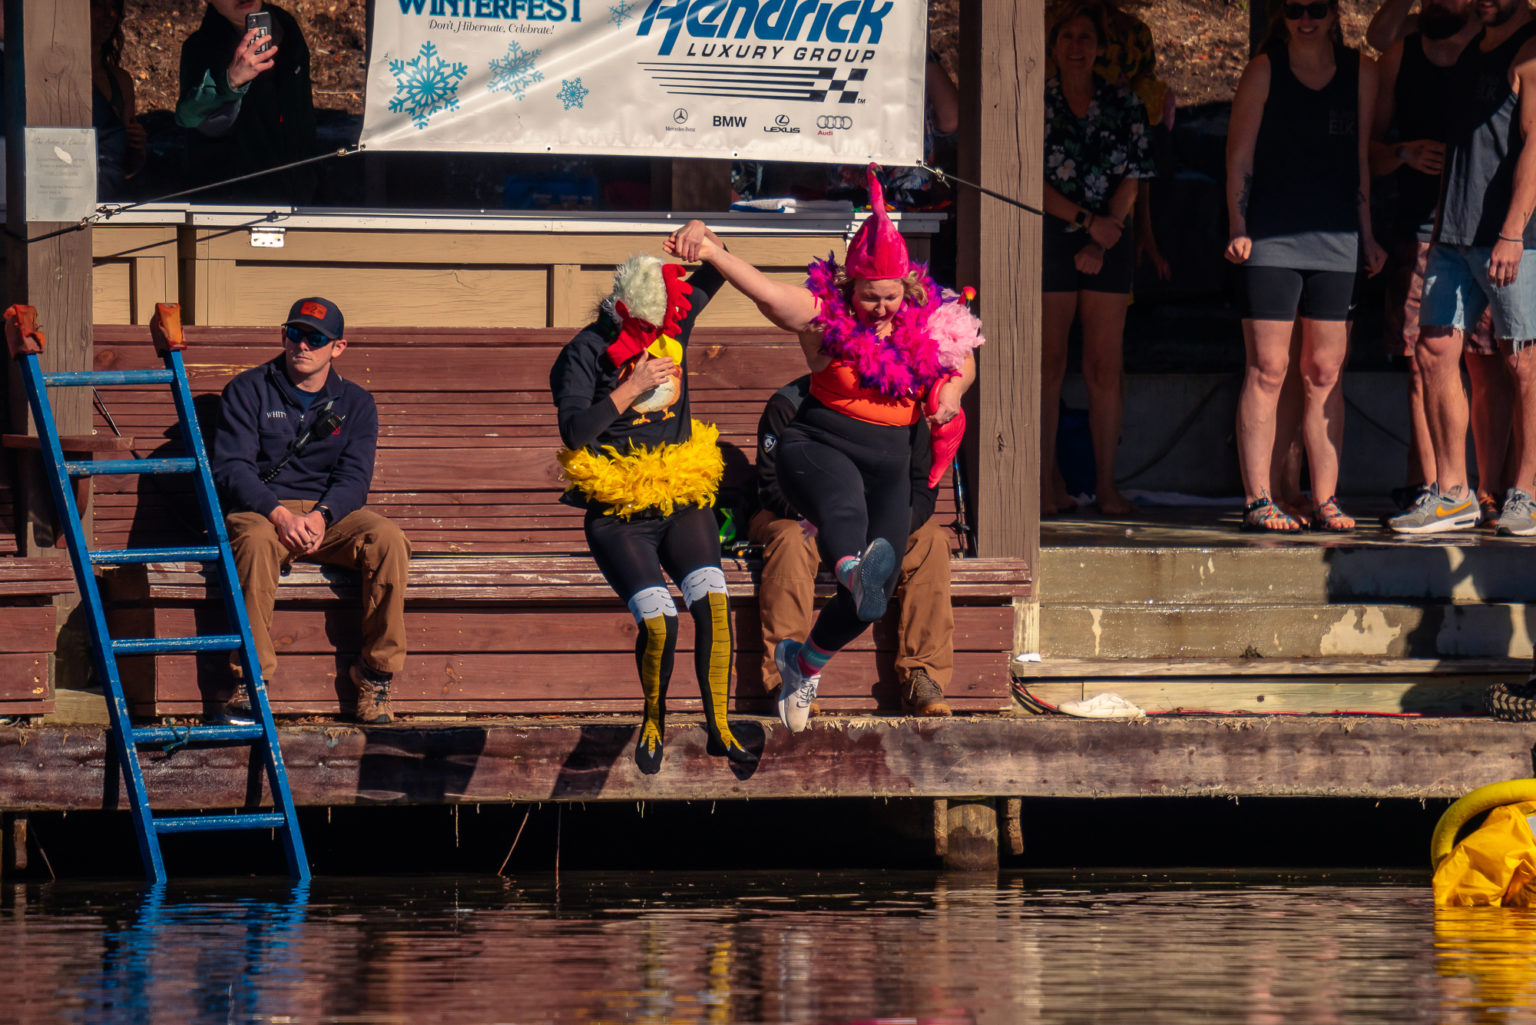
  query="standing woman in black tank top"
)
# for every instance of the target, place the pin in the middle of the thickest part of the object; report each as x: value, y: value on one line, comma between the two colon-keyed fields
x: 1298, y: 196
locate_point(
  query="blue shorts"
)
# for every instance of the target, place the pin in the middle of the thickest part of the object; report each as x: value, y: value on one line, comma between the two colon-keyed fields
x: 1457, y: 290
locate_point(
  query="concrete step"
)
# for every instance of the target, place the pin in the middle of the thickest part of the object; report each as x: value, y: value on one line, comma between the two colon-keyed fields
x: 1402, y: 571
x: 1414, y: 694
x: 1158, y: 630
x: 1301, y: 669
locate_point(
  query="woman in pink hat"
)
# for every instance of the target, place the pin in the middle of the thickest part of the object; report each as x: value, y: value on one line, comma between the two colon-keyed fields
x: 885, y: 347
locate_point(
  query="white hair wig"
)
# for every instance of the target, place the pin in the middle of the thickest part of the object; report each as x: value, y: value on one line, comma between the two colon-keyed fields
x: 638, y: 284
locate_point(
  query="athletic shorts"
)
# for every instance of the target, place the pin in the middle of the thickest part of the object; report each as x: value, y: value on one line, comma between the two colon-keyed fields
x: 1457, y: 291
x: 1060, y: 244
x: 1405, y: 287
x: 1281, y: 293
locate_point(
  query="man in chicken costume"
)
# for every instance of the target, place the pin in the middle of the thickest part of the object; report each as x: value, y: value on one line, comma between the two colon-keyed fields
x: 647, y: 474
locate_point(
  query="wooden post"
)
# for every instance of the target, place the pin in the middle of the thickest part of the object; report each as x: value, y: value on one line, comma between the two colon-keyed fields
x: 47, y: 84
x: 970, y: 843
x: 1001, y: 133
x: 690, y: 186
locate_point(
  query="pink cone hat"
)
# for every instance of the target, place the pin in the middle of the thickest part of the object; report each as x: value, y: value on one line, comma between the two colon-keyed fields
x: 877, y: 249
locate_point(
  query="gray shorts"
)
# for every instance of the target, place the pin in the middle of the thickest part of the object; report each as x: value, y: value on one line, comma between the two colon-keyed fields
x: 1457, y: 291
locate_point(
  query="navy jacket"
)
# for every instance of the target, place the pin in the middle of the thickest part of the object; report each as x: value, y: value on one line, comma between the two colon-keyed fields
x: 258, y: 419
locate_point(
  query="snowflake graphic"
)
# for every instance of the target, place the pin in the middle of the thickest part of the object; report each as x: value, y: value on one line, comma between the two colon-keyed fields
x: 621, y: 12
x: 572, y: 93
x: 425, y: 85
x: 515, y: 72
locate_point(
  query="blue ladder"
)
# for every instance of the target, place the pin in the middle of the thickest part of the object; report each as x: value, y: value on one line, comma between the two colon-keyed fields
x: 26, y: 343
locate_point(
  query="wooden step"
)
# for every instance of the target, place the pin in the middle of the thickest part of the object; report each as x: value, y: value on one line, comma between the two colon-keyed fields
x: 1309, y: 669
x: 1415, y: 694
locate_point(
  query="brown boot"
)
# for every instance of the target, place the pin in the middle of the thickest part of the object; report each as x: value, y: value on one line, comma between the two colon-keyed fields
x: 921, y: 696
x: 372, y: 699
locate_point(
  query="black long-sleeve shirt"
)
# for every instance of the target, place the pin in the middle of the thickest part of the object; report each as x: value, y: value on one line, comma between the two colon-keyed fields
x: 583, y: 377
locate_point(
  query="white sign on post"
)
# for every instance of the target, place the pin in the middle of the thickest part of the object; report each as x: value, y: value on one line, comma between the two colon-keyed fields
x: 61, y: 173
x: 824, y: 81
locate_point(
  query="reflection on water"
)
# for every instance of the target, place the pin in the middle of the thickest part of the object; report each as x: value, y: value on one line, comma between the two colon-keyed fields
x: 805, y: 947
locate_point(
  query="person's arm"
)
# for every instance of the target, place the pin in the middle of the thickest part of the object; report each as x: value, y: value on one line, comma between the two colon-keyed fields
x: 951, y: 391
x: 770, y: 428
x: 352, y: 476
x: 943, y: 98
x: 786, y: 306
x: 1390, y: 24
x: 573, y: 383
x: 1385, y: 156
x: 1242, y: 137
x: 1504, y: 263
x: 236, y: 444
x: 1374, y: 256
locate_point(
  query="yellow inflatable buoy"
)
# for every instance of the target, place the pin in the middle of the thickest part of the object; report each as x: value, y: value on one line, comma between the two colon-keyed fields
x: 1496, y: 863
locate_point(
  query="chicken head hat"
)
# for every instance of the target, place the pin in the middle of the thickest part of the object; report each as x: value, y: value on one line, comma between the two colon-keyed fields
x: 877, y: 250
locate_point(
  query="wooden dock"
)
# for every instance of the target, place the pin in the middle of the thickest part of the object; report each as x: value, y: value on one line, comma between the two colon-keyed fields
x: 535, y: 759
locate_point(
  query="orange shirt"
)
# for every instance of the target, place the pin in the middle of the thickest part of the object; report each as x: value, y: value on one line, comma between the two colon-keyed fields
x: 837, y: 387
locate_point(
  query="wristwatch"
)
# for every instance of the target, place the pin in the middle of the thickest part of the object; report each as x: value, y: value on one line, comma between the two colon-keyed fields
x: 325, y: 513
x: 1080, y: 218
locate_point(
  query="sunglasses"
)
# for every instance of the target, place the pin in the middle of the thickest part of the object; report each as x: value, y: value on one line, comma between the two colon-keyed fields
x: 1316, y: 11
x: 311, y: 339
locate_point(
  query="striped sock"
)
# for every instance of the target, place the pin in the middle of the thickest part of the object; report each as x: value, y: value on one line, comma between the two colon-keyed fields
x: 812, y: 660
x: 845, y: 567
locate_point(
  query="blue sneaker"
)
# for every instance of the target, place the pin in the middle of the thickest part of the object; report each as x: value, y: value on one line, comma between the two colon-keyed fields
x: 867, y: 581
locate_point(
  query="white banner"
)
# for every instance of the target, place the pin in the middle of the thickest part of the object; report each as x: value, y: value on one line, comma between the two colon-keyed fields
x: 826, y: 81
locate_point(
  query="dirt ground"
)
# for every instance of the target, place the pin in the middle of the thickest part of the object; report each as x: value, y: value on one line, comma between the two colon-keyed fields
x: 1201, y: 45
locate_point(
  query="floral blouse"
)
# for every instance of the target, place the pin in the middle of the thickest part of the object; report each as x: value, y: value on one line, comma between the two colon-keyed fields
x: 1085, y: 159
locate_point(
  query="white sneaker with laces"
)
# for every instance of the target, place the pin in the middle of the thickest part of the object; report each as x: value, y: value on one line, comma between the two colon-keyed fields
x: 796, y: 691
x: 1108, y: 705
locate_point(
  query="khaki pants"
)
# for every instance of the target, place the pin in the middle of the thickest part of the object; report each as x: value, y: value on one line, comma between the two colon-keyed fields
x: 362, y: 540
x: 925, y: 626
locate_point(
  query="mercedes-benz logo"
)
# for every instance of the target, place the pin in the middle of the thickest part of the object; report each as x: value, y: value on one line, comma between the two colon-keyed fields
x: 781, y: 120
x: 834, y: 121
x: 680, y: 116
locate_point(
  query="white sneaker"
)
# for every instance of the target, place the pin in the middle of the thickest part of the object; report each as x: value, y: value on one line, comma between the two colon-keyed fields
x: 1108, y: 705
x: 796, y: 691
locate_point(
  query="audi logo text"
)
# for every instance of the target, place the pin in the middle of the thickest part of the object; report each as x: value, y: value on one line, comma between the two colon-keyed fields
x: 834, y: 121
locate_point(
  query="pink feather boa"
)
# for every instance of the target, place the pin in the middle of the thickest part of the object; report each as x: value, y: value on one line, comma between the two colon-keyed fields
x: 927, y: 343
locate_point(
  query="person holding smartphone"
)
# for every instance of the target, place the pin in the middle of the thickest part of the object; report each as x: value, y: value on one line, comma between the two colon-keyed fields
x: 247, y: 100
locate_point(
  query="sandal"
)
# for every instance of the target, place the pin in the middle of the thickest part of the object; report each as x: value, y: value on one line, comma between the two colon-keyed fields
x: 1263, y: 516
x: 1330, y: 519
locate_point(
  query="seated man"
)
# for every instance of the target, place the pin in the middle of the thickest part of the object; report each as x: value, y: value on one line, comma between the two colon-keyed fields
x: 925, y: 627
x: 250, y: 106
x: 293, y: 459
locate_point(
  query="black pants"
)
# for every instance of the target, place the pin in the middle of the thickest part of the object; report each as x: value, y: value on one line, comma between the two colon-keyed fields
x: 633, y: 554
x: 852, y: 480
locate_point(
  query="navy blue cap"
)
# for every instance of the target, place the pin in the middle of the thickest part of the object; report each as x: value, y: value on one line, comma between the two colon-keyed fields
x: 320, y: 314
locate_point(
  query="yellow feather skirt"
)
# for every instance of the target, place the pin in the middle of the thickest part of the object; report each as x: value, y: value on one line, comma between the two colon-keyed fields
x: 661, y: 478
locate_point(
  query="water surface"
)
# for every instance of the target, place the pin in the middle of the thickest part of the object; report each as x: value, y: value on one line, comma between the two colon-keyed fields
x: 802, y: 947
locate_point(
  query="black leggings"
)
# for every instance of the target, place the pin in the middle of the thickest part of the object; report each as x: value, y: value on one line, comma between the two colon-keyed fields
x: 631, y: 554
x: 852, y: 480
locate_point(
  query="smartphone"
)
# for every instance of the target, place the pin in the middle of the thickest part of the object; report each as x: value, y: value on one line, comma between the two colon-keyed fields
x: 261, y: 21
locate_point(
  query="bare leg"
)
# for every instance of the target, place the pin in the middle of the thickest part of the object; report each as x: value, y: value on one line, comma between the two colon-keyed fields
x: 1522, y: 365
x: 1492, y: 412
x: 1324, y: 346
x: 1268, y: 345
x: 1103, y: 372
x: 1058, y: 310
x: 1285, y: 467
x: 1421, y: 448
x: 1438, y: 354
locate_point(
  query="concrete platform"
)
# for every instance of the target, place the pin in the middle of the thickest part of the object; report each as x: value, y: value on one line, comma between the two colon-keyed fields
x: 589, y: 759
